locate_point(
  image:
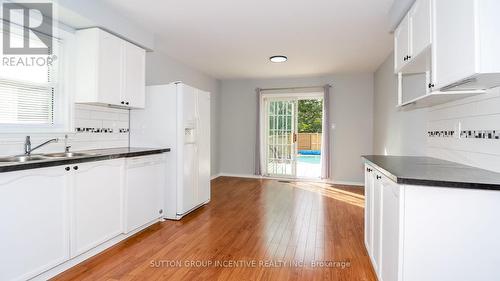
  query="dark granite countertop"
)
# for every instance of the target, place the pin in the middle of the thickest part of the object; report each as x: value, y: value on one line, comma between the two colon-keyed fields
x: 97, y: 155
x: 427, y: 171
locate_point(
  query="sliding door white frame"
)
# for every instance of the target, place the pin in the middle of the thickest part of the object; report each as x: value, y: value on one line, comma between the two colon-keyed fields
x: 264, y: 127
x: 279, y: 136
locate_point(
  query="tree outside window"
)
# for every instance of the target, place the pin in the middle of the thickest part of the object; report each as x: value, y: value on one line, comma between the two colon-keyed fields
x: 310, y: 116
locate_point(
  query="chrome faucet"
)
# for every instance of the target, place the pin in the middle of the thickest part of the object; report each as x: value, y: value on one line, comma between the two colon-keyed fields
x: 66, y: 146
x: 27, y: 145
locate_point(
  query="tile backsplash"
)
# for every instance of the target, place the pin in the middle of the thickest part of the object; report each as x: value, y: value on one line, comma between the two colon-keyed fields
x: 95, y: 119
x: 94, y: 127
x: 475, y: 123
x: 100, y: 127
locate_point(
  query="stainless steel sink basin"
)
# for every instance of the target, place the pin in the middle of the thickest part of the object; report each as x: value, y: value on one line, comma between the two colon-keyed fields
x: 67, y: 154
x: 39, y: 157
x: 22, y: 158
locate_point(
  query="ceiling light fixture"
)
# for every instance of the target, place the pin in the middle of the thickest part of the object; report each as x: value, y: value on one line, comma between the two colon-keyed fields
x: 278, y: 59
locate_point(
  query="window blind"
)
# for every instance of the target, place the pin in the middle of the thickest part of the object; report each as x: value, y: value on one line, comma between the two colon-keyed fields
x: 26, y: 103
x: 28, y: 92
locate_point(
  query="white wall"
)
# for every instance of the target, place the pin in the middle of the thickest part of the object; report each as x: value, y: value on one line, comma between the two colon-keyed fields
x: 351, y: 108
x: 407, y: 132
x: 95, y: 13
x: 395, y: 132
x: 162, y: 69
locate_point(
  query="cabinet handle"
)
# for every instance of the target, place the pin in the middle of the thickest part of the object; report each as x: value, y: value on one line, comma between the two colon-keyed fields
x: 379, y: 177
x: 431, y: 85
x: 75, y: 168
x: 404, y: 59
x: 123, y: 102
x: 67, y: 168
x: 409, y: 57
x: 126, y: 103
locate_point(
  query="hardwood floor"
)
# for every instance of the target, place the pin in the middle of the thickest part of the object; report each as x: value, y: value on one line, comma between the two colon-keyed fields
x: 248, y: 227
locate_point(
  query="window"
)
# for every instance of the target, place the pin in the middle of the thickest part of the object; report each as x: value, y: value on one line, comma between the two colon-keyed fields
x: 31, y: 96
x: 26, y: 103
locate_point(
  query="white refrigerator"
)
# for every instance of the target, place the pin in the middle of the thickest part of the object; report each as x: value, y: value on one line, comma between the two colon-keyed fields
x: 177, y: 116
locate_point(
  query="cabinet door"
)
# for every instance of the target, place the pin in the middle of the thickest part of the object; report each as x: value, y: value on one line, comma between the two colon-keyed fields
x: 110, y: 67
x: 144, y: 191
x: 134, y: 76
x: 34, y: 227
x: 369, y: 209
x: 96, y: 195
x: 401, y: 44
x: 377, y: 222
x: 454, y: 41
x: 389, y: 267
x: 420, y: 26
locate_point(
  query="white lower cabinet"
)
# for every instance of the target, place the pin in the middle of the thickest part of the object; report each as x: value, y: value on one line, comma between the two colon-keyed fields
x: 34, y: 228
x: 431, y: 233
x: 51, y: 216
x: 96, y: 196
x: 368, y: 207
x: 389, y: 267
x: 377, y: 223
x: 145, y: 182
x: 383, y: 219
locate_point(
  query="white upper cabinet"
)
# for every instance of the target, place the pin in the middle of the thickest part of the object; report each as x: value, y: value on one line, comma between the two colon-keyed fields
x: 466, y: 44
x: 452, y: 49
x: 412, y: 37
x: 420, y: 26
x: 110, y: 70
x: 402, y: 44
x: 135, y: 76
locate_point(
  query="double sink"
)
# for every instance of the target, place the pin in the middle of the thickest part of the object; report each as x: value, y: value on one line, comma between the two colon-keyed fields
x: 43, y: 157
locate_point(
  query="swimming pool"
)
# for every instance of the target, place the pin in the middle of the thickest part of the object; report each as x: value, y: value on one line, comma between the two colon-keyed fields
x: 309, y: 159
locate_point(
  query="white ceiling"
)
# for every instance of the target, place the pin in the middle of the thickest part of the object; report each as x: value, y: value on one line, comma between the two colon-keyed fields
x: 234, y: 38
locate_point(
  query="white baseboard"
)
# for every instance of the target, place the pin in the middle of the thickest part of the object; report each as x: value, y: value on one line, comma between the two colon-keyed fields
x: 352, y: 183
x: 215, y: 176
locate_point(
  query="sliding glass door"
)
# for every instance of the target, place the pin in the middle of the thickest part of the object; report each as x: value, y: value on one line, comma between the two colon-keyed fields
x: 292, y: 135
x: 281, y: 136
